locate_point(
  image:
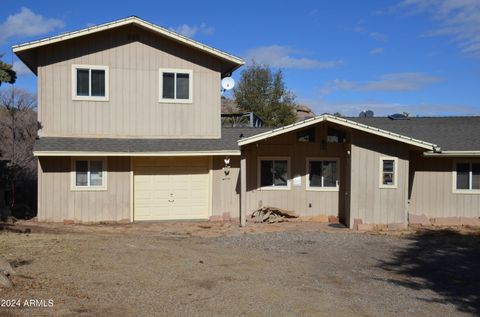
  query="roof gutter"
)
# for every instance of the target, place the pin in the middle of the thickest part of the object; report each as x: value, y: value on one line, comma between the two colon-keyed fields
x: 159, y: 154
x: 452, y: 154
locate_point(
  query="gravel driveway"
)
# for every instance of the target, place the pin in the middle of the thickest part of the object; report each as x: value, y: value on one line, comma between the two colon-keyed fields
x: 295, y: 273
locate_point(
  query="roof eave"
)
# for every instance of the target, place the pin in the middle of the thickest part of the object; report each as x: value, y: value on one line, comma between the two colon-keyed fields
x: 340, y: 121
x: 237, y: 61
x: 452, y: 154
x: 157, y: 153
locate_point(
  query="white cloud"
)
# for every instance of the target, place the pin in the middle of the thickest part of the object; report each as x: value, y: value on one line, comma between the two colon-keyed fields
x: 377, y: 50
x: 21, y: 69
x: 401, y: 82
x: 192, y: 30
x: 377, y: 36
x: 26, y: 23
x: 459, y: 19
x: 337, y: 84
x: 382, y: 108
x: 407, y: 81
x: 286, y: 57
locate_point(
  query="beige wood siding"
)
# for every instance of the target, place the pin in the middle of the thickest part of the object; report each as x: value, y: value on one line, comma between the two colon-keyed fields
x: 57, y: 202
x: 368, y: 202
x: 133, y: 109
x: 226, y: 188
x: 431, y: 190
x: 305, y: 203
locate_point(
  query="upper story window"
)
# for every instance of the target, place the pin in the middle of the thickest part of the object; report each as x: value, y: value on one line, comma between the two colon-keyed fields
x: 388, y: 172
x: 335, y: 136
x: 90, y: 82
x: 307, y: 135
x: 176, y: 85
x: 467, y: 177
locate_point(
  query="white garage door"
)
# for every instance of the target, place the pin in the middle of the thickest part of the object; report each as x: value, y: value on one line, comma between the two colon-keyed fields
x: 171, y: 188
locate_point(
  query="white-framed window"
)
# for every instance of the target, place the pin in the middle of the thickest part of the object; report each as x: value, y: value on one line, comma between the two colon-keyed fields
x: 388, y: 172
x: 176, y: 85
x: 466, y: 177
x: 89, y: 174
x: 323, y: 174
x: 90, y: 82
x: 274, y: 173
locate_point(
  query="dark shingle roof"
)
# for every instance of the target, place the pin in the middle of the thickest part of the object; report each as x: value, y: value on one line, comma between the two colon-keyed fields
x: 228, y: 142
x: 450, y: 133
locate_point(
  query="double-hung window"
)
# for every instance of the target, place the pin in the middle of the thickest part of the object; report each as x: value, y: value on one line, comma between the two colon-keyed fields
x: 176, y: 85
x: 90, y: 82
x: 388, y: 172
x: 89, y: 174
x: 466, y: 177
x: 322, y: 174
x: 274, y: 173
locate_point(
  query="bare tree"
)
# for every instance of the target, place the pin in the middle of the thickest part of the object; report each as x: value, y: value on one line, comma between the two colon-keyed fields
x: 18, y: 131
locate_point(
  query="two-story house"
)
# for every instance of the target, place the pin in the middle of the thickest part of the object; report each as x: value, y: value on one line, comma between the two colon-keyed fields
x: 131, y: 131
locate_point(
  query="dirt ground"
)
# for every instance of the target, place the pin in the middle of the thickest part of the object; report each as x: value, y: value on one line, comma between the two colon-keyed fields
x: 219, y: 269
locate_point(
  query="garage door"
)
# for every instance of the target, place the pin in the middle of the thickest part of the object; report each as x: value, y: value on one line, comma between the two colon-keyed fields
x: 171, y: 188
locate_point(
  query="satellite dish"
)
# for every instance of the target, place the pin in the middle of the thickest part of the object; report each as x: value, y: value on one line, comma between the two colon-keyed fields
x: 228, y: 83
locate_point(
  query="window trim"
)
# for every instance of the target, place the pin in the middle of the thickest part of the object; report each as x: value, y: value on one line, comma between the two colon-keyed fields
x: 307, y: 174
x: 176, y: 71
x: 259, y: 174
x: 395, y: 172
x: 454, y: 177
x: 90, y: 68
x: 73, y: 185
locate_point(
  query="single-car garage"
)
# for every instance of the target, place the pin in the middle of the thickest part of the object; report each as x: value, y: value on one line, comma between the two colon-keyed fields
x: 171, y: 188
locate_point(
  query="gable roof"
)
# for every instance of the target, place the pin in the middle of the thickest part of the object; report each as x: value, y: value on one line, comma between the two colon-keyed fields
x: 450, y: 133
x: 65, y: 146
x: 236, y: 61
x: 344, y: 122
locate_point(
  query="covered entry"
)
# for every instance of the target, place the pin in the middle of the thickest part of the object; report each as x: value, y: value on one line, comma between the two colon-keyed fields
x: 168, y: 188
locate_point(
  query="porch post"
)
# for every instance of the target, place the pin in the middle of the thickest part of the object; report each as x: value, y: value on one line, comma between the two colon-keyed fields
x: 243, y: 189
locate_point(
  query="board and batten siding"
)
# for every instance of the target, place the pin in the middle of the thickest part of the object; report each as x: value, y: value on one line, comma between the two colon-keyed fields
x: 57, y: 202
x: 298, y: 199
x: 133, y: 109
x: 225, y: 188
x: 369, y: 202
x: 432, y: 190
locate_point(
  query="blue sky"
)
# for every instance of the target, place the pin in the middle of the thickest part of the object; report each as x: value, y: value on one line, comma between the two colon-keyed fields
x: 419, y: 56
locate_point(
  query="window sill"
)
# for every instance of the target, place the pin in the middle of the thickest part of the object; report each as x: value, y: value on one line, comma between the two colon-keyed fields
x: 86, y: 98
x: 176, y: 101
x: 88, y: 188
x: 388, y: 186
x: 466, y: 191
x: 322, y: 189
x: 274, y: 188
